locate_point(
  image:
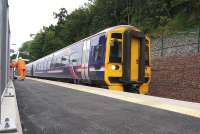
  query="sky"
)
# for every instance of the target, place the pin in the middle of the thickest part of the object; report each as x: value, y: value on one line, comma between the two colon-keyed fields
x: 29, y: 16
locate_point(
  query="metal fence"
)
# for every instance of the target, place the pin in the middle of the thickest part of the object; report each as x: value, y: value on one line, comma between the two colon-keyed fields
x: 177, y: 43
x: 4, y: 45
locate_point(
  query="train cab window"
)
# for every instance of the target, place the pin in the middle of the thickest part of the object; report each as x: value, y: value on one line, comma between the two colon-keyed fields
x: 115, y: 51
x: 116, y: 35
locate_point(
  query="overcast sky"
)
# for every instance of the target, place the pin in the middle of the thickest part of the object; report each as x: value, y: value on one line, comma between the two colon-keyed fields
x: 29, y: 16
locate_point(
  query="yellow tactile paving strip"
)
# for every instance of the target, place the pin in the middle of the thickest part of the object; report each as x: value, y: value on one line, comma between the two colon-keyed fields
x: 183, y: 107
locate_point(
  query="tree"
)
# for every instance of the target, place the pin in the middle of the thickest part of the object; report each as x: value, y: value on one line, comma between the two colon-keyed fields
x: 151, y: 16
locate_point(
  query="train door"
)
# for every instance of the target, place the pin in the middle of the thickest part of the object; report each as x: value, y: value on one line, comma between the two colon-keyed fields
x: 85, y: 60
x: 133, y: 57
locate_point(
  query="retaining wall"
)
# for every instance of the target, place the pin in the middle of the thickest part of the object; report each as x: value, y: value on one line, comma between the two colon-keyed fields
x: 179, y: 44
x: 177, y: 77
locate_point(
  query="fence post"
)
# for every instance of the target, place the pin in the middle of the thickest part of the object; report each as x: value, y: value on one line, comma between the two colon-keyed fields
x: 1, y: 43
x: 198, y: 38
x: 2, y: 50
x: 162, y: 44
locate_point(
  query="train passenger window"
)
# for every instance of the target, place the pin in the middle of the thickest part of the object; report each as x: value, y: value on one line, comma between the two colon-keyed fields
x: 98, y: 52
x: 40, y: 67
x: 115, y: 51
x: 74, y: 59
x: 58, y: 62
x: 53, y: 66
x: 98, y: 43
x: 65, y: 60
x: 48, y: 64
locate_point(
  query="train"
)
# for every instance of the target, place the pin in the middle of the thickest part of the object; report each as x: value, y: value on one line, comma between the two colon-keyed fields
x: 117, y: 58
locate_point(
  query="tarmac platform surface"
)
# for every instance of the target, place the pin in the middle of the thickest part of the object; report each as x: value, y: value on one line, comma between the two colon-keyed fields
x: 50, y: 109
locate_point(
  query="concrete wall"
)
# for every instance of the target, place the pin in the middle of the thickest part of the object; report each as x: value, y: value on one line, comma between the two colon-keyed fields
x: 177, y: 77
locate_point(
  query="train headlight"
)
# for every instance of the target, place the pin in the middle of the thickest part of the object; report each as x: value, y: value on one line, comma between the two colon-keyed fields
x: 115, y: 67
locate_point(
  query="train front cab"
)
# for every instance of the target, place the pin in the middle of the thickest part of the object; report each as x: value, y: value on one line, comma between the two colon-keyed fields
x: 127, y: 61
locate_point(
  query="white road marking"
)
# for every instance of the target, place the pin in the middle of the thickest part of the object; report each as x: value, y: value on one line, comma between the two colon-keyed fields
x: 183, y: 107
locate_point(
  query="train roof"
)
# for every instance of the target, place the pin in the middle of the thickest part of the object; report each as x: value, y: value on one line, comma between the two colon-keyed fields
x: 106, y: 31
x: 101, y: 32
x: 115, y: 27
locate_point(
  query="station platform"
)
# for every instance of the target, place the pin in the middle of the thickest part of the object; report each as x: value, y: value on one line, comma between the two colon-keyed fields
x: 50, y: 107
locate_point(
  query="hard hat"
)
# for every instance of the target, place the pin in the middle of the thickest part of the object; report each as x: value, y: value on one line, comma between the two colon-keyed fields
x: 20, y: 58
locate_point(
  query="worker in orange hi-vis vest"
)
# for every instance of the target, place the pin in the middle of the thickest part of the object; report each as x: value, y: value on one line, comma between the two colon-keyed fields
x: 21, y: 67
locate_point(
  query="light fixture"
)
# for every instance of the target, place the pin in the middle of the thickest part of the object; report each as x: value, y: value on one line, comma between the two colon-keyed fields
x: 114, y: 67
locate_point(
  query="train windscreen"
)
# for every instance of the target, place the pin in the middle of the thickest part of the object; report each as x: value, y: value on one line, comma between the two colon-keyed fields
x: 115, y: 51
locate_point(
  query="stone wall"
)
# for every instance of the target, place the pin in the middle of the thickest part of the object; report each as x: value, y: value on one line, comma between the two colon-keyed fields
x: 182, y: 43
x: 176, y: 77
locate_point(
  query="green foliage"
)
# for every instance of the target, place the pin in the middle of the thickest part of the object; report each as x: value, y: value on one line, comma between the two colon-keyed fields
x: 13, y: 57
x: 152, y: 16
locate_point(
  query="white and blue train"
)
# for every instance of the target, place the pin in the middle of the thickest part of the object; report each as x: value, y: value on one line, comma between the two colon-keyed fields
x: 117, y: 57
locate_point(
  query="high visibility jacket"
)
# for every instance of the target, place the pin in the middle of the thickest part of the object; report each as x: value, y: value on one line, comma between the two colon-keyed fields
x: 21, y: 64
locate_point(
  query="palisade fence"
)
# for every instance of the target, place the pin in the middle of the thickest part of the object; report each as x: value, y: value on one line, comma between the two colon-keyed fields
x: 4, y: 46
x: 176, y: 44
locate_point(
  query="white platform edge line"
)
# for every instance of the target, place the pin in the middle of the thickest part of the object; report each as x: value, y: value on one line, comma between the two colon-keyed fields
x: 183, y: 107
x: 10, y: 104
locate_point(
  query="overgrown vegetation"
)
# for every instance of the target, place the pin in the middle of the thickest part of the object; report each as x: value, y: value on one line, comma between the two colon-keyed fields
x: 152, y: 16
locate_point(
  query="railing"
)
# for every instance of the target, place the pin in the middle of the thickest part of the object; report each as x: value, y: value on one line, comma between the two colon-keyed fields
x: 4, y: 46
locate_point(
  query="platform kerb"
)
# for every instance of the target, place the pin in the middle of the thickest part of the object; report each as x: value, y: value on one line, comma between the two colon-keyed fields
x: 10, y: 120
